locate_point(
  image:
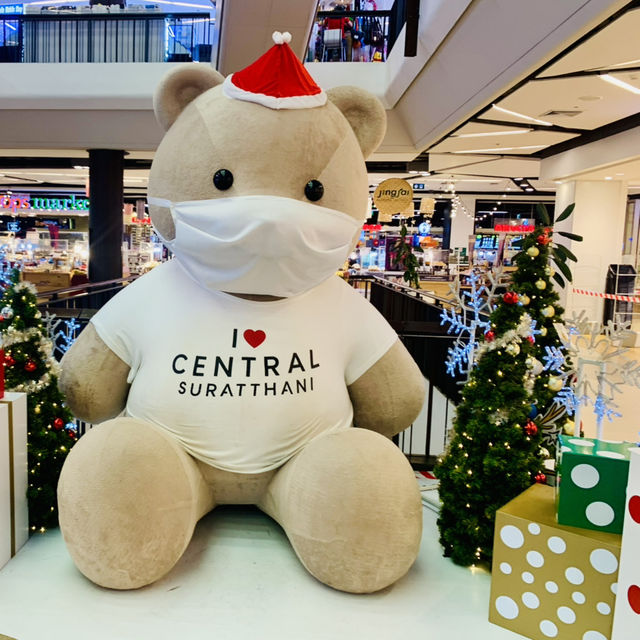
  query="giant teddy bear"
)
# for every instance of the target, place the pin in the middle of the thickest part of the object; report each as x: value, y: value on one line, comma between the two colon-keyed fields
x: 244, y: 371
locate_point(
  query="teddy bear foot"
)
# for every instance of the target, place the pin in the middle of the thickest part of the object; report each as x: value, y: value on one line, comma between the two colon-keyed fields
x: 129, y: 498
x: 350, y: 506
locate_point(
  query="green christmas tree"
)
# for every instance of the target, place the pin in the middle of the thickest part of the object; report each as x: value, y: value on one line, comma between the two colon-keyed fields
x: 495, y: 452
x: 31, y: 368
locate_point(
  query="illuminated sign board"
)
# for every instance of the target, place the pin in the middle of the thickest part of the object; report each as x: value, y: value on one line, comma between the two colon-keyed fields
x: 514, y: 228
x: 22, y: 202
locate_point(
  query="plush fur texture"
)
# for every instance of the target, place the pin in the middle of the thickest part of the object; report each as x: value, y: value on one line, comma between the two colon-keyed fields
x: 129, y: 496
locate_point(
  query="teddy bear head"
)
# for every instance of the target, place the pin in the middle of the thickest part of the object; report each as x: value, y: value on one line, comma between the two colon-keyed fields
x: 225, y: 143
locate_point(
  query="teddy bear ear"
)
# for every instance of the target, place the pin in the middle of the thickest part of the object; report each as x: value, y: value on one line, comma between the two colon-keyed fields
x: 179, y: 87
x: 365, y: 114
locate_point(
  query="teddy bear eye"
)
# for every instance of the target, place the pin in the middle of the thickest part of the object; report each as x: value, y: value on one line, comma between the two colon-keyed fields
x: 223, y: 179
x: 314, y: 190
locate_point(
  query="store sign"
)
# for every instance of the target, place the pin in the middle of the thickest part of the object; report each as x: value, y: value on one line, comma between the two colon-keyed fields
x: 392, y: 196
x: 514, y: 228
x: 22, y: 202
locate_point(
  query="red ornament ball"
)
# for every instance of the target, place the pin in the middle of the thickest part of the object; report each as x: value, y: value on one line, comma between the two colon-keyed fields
x: 543, y: 239
x: 531, y: 428
x: 30, y: 366
x: 58, y: 423
x: 541, y: 478
x: 9, y: 361
x: 531, y: 339
x: 489, y: 336
x: 71, y: 434
x: 511, y: 297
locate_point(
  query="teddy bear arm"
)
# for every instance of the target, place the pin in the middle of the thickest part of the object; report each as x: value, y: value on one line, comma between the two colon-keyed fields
x: 93, y: 378
x: 388, y: 397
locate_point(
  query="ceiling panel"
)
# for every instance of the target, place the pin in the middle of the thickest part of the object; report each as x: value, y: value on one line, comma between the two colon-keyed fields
x: 615, y: 44
x: 533, y: 141
x: 483, y: 166
x: 598, y: 102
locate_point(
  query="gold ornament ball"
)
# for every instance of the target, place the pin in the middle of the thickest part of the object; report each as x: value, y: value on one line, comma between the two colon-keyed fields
x: 555, y: 384
x: 569, y: 426
x: 541, y: 284
x: 549, y: 271
x: 524, y: 299
x: 543, y: 331
x: 37, y: 409
x: 513, y: 349
x: 533, y: 252
x: 549, y: 312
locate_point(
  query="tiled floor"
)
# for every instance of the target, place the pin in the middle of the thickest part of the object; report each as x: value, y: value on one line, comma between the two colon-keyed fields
x: 239, y: 579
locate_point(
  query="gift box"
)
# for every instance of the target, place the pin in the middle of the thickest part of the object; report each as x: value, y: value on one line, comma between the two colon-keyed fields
x: 626, y: 620
x: 550, y: 580
x: 14, y: 514
x: 592, y: 480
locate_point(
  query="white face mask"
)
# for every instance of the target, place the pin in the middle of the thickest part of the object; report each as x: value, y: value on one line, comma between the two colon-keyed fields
x: 263, y: 245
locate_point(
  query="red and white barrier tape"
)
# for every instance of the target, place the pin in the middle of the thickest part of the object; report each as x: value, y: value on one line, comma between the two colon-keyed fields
x: 609, y: 296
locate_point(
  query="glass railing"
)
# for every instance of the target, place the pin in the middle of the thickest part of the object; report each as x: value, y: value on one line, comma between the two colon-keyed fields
x: 124, y: 36
x: 355, y: 36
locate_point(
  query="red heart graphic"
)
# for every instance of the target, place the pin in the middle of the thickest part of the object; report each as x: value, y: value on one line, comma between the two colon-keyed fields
x: 254, y: 338
x: 634, y: 508
x: 633, y: 595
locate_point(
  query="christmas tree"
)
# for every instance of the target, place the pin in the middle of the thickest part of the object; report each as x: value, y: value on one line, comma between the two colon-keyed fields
x: 496, y: 452
x: 31, y: 368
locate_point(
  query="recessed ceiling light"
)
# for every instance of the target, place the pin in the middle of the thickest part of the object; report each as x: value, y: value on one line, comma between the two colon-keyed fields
x: 425, y: 173
x: 410, y: 171
x: 491, y: 133
x: 608, y: 177
x: 518, y: 179
x: 80, y: 167
x: 529, y: 189
x: 619, y: 174
x: 620, y: 83
x: 499, y: 203
x: 522, y: 115
x: 558, y: 181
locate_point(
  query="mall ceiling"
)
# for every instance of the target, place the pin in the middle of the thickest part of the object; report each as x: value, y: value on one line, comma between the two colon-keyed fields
x: 587, y: 92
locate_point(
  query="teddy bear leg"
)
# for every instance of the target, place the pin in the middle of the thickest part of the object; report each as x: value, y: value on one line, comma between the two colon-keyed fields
x: 129, y: 498
x: 350, y: 505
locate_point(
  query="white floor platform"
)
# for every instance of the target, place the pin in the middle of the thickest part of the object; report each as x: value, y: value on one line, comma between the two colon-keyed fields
x: 240, y: 579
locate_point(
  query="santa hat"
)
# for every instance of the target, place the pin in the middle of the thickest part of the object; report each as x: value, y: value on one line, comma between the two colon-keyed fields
x: 277, y: 80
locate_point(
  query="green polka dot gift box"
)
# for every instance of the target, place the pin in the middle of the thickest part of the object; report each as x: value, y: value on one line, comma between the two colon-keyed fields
x: 592, y: 482
x: 549, y: 580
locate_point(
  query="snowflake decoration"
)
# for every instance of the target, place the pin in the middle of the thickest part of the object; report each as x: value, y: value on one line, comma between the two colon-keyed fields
x: 468, y: 316
x: 65, y: 338
x: 602, y: 407
x: 554, y: 360
x: 595, y: 344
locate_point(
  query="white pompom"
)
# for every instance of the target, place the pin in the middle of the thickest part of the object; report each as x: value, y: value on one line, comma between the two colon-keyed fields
x: 286, y: 37
x: 277, y: 37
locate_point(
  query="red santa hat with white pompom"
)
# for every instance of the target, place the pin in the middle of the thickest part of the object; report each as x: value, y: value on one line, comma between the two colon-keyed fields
x: 277, y: 80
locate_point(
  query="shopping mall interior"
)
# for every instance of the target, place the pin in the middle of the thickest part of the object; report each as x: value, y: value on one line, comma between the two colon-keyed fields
x: 493, y: 107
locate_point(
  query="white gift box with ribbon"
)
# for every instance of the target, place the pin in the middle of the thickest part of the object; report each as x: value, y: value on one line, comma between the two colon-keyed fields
x: 14, y: 513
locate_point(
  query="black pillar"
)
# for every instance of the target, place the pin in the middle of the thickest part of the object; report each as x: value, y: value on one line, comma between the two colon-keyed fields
x: 446, y: 226
x: 106, y: 196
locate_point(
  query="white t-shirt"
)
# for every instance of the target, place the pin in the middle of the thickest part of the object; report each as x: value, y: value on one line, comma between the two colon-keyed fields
x: 243, y: 385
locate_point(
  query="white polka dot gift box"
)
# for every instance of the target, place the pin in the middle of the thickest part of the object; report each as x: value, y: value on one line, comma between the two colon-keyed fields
x: 550, y: 580
x: 592, y: 480
x: 626, y: 621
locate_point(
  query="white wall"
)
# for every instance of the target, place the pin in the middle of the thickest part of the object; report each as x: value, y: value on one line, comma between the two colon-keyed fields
x: 462, y: 225
x: 599, y: 218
